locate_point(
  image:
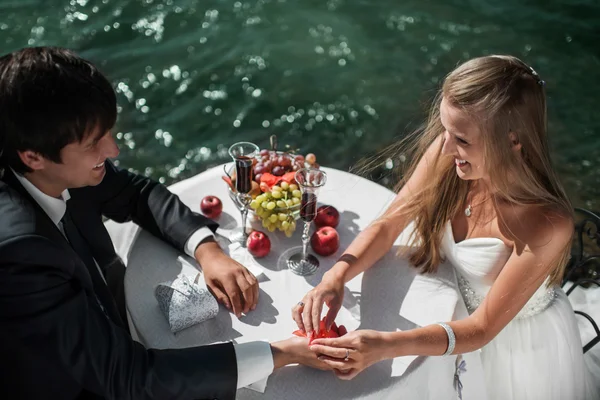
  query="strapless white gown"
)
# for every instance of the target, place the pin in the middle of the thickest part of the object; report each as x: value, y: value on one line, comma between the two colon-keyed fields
x: 538, y: 355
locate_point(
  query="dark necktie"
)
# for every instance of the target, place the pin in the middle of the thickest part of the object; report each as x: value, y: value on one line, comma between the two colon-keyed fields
x: 81, y: 247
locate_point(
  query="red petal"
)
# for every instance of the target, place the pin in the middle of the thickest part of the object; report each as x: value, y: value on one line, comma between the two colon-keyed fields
x: 289, y: 177
x: 298, y: 332
x: 332, y: 334
x: 322, y: 326
x: 269, y: 178
x: 334, y: 328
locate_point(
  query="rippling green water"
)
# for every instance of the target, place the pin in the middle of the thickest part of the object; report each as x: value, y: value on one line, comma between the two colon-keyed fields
x: 339, y: 78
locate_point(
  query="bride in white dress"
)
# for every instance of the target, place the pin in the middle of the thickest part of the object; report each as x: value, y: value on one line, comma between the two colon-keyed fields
x: 481, y: 195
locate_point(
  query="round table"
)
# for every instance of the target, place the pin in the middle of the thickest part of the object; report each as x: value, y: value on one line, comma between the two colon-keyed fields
x: 372, y: 300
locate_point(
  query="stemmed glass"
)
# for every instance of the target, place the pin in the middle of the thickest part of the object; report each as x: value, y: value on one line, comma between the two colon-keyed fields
x: 309, y: 180
x: 243, y: 154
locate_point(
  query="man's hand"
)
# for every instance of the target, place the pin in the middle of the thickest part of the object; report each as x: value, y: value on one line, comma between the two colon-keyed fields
x: 295, y: 350
x: 229, y: 281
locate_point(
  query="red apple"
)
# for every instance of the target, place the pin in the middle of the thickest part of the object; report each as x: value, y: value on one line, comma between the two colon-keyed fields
x: 325, y: 241
x: 258, y: 244
x: 211, y: 206
x: 327, y: 216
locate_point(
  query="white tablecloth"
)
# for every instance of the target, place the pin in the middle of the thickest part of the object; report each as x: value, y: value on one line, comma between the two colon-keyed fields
x: 373, y: 300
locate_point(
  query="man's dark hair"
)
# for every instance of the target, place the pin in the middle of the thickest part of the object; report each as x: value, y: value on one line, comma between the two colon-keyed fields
x: 50, y: 97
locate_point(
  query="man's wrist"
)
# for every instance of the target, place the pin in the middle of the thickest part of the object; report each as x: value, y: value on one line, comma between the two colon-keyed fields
x: 207, y: 249
x: 196, y: 238
x: 281, y: 355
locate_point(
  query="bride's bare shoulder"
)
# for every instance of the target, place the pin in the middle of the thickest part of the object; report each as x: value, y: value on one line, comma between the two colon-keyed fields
x: 537, y: 226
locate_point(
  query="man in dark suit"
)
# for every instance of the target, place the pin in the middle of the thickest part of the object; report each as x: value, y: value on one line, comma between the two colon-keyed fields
x: 63, y: 324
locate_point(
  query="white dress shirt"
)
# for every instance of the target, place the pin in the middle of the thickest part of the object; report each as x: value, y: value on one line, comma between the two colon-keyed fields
x: 254, y: 359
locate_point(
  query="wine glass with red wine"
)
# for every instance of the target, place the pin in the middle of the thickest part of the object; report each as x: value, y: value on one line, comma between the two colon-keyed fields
x: 244, y: 155
x: 310, y: 180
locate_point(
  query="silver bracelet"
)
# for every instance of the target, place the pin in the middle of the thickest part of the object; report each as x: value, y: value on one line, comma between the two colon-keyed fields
x: 451, y: 338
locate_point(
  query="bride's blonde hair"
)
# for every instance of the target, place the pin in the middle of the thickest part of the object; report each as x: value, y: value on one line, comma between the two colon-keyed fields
x: 503, y: 95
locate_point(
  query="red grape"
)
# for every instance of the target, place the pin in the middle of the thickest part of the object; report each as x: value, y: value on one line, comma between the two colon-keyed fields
x: 259, y: 169
x: 264, y: 152
x: 278, y: 170
x: 299, y: 158
x: 257, y: 178
x: 285, y: 161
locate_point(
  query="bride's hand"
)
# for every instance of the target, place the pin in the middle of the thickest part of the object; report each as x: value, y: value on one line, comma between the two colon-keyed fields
x: 352, y: 353
x: 307, y: 313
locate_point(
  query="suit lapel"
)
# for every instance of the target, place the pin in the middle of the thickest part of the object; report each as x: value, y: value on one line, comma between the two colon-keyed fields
x: 45, y: 227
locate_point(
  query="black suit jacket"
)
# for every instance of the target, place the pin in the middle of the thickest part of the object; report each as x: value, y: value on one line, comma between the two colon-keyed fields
x: 56, y: 341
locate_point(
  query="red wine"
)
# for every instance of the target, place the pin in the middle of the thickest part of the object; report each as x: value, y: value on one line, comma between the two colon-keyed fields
x: 243, y: 170
x: 308, y: 207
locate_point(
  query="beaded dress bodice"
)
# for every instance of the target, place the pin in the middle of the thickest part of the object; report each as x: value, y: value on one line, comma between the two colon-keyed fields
x: 478, y: 262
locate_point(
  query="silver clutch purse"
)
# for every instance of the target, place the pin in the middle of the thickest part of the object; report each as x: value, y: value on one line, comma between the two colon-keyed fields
x: 185, y: 303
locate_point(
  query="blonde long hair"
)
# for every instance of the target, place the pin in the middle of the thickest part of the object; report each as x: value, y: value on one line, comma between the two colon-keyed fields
x: 503, y: 95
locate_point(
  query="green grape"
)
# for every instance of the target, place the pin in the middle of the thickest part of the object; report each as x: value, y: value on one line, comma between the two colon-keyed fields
x: 264, y: 204
x: 285, y: 185
x: 273, y: 218
x: 285, y: 225
x: 293, y: 226
x: 296, y: 193
x: 254, y: 204
x: 293, y: 187
x: 296, y: 200
x: 289, y: 233
x: 260, y: 198
x: 289, y: 203
x: 282, y: 216
x: 281, y: 204
x: 265, y: 223
x: 275, y: 189
x: 270, y: 205
x: 276, y: 195
x: 271, y: 228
